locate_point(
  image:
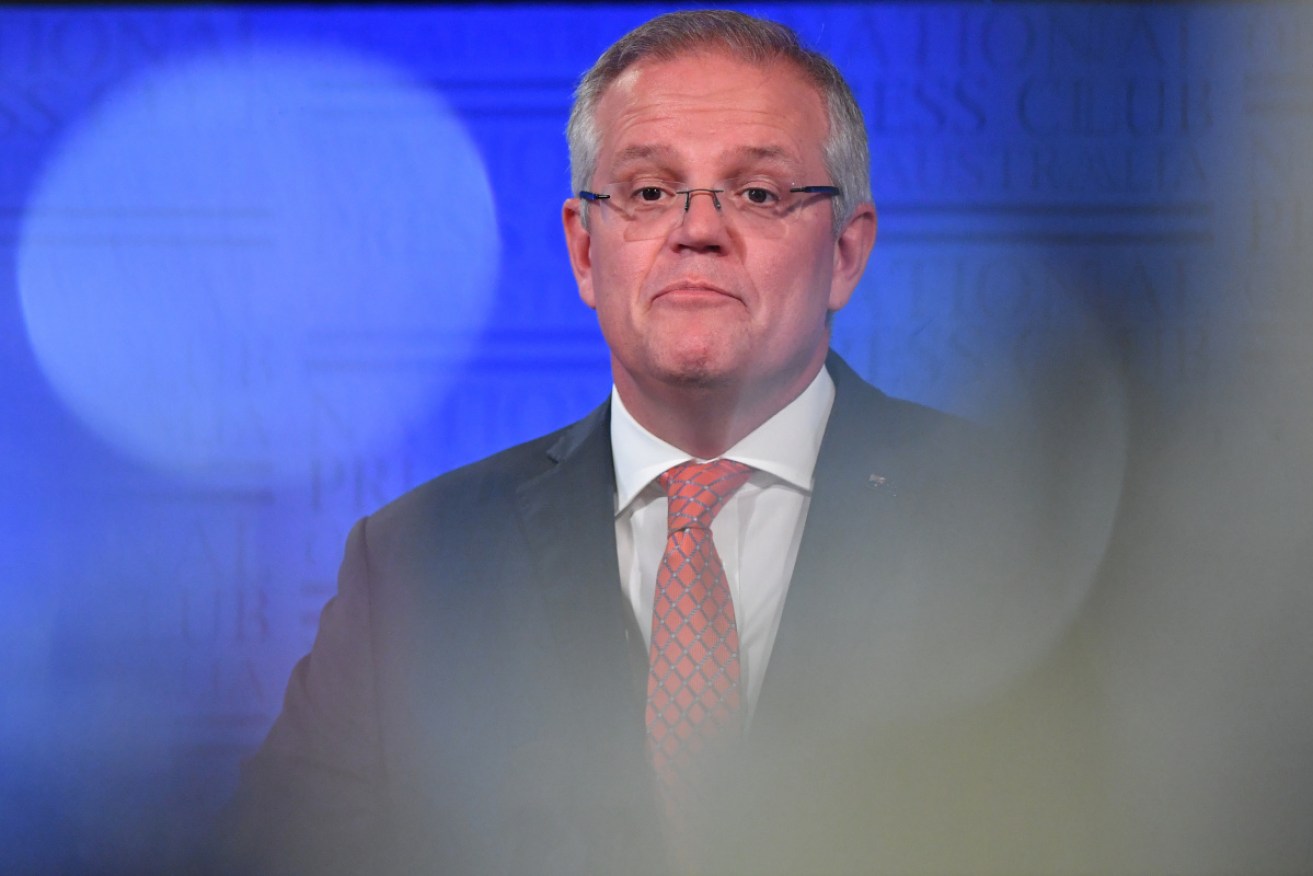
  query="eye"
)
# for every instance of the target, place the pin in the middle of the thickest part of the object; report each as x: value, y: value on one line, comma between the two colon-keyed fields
x: 649, y: 194
x: 759, y: 197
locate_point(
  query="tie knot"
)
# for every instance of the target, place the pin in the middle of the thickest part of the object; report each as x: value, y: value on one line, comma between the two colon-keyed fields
x: 698, y: 490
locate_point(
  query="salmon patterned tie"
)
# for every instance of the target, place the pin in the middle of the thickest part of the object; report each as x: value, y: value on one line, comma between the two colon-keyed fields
x: 693, y: 677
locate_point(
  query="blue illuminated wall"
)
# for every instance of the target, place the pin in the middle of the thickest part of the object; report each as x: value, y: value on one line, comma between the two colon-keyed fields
x: 262, y: 271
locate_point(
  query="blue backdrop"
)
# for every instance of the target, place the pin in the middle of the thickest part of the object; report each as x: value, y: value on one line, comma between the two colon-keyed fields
x: 263, y: 270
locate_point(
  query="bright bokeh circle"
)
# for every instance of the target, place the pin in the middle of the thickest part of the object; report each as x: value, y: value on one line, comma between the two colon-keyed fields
x: 245, y: 261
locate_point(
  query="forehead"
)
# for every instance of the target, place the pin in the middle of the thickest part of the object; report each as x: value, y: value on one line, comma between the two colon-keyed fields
x: 707, y: 108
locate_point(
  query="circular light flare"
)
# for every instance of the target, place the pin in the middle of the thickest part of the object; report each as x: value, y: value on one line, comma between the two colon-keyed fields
x: 240, y: 261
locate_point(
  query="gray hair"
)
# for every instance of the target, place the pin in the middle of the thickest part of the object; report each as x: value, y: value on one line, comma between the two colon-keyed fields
x: 753, y: 40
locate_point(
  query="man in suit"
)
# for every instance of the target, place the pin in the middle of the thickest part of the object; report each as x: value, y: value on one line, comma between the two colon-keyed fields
x: 842, y: 620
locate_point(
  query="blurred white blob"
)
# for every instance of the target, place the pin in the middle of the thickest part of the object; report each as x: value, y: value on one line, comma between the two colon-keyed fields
x: 244, y: 260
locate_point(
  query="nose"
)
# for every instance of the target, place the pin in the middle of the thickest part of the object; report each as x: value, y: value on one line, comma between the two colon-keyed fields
x: 701, y: 224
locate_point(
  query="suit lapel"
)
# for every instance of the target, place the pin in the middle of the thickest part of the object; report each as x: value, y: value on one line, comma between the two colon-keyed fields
x: 850, y: 541
x: 569, y: 523
x: 601, y: 792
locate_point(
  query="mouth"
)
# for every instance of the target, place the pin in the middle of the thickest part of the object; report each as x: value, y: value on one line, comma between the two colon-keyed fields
x: 693, y: 289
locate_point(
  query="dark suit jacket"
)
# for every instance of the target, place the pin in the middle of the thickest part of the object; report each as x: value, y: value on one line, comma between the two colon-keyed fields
x: 473, y: 702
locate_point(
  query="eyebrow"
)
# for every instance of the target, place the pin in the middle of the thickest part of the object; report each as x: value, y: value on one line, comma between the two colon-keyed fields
x: 660, y: 155
x: 763, y: 153
x: 666, y: 157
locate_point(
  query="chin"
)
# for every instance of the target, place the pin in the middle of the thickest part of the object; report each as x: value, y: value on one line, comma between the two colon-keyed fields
x: 711, y: 358
x: 701, y: 372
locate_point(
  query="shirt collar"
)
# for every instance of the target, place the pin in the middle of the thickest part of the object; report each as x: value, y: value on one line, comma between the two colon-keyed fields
x: 784, y: 446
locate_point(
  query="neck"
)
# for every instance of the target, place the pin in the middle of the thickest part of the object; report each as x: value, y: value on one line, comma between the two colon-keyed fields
x: 705, y: 420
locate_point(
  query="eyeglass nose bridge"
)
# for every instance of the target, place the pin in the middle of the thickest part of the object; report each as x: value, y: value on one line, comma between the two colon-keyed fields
x: 689, y: 193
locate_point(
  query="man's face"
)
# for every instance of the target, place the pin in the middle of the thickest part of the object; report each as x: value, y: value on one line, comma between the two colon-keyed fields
x: 711, y: 304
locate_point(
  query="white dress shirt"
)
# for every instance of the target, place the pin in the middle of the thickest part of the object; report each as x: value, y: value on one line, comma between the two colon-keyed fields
x: 756, y: 533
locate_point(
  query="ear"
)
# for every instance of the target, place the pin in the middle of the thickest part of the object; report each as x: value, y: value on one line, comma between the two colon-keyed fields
x: 578, y: 243
x: 851, y: 250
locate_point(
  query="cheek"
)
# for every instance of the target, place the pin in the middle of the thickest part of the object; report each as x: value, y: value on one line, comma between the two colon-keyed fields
x: 791, y: 282
x: 812, y: 273
x: 618, y: 279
